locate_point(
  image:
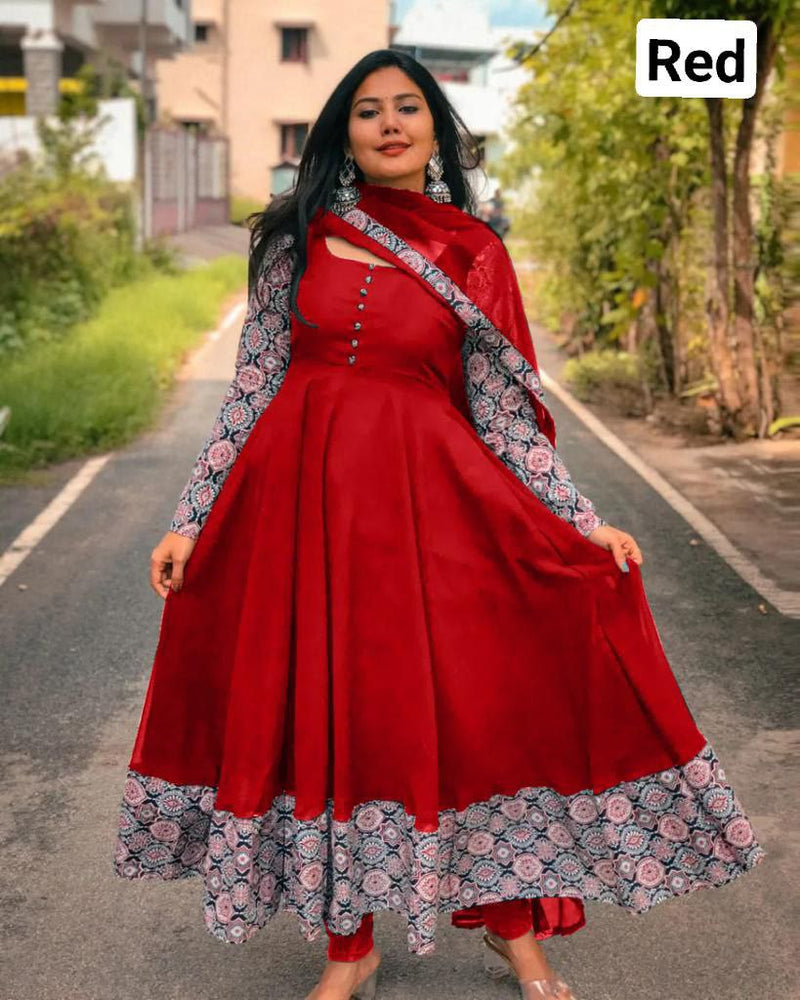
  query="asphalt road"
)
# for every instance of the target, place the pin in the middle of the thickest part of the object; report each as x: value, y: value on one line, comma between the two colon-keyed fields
x: 77, y: 643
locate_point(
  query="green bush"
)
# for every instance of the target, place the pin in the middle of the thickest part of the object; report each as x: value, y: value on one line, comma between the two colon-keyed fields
x: 162, y: 255
x: 65, y: 240
x: 102, y: 383
x: 608, y: 377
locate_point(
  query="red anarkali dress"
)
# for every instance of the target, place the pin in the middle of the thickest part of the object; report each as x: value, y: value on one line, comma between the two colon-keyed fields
x: 388, y: 681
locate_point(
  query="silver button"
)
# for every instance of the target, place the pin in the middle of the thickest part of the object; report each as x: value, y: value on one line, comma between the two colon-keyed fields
x: 352, y: 359
x: 354, y: 342
x: 368, y: 279
x: 356, y: 326
x: 371, y: 266
x: 360, y: 305
x: 363, y: 291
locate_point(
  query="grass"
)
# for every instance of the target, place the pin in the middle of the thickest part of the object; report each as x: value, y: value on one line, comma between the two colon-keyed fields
x: 106, y: 380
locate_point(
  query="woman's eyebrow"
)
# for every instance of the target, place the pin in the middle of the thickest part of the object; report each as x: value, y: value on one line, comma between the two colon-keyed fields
x: 377, y: 100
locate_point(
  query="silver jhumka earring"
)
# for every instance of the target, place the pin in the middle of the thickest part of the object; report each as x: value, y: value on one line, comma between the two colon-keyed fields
x: 436, y: 189
x: 346, y: 196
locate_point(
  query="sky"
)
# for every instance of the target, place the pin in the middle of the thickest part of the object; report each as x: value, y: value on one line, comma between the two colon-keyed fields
x: 511, y: 13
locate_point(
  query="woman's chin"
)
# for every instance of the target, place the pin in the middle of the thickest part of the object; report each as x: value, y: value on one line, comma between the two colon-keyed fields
x: 388, y: 175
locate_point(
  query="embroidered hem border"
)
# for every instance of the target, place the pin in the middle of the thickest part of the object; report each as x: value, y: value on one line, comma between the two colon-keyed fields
x: 636, y: 844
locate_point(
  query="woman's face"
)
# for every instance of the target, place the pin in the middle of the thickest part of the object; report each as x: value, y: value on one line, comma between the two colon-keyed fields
x: 388, y: 107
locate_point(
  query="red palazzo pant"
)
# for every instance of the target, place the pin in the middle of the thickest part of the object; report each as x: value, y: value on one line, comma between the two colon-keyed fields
x: 510, y: 918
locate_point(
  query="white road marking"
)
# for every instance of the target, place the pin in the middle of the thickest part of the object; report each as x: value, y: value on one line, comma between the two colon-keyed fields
x: 30, y: 536
x: 230, y: 318
x: 785, y: 601
x: 27, y: 540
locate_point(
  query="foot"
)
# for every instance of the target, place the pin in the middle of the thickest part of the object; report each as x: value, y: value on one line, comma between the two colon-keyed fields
x: 527, y: 957
x: 339, y: 980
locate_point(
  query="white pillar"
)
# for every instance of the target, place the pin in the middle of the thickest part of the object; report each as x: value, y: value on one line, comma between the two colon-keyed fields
x: 42, y: 49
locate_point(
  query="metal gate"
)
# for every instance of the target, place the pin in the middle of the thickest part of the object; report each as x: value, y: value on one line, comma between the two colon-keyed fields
x: 184, y: 181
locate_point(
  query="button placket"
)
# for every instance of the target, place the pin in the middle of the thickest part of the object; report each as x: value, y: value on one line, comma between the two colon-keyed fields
x: 354, y: 342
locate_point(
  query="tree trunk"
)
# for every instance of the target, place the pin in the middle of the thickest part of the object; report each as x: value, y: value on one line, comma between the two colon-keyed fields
x: 676, y: 319
x: 717, y: 298
x: 744, y: 264
x: 643, y: 327
x: 663, y: 285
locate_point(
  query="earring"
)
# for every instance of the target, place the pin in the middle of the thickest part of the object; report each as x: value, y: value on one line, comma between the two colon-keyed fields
x: 346, y: 196
x: 436, y: 189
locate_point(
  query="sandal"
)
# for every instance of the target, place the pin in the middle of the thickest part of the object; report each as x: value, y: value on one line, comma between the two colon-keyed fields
x: 552, y: 988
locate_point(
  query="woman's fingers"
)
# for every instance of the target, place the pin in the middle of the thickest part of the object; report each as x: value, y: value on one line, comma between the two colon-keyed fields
x: 168, y: 562
x: 620, y: 544
x: 619, y: 553
x: 159, y: 574
x: 625, y: 549
x: 166, y: 574
x: 177, y: 573
x: 631, y: 549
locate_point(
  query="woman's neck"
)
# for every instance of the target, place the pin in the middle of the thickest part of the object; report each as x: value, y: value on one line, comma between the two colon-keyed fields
x: 400, y: 184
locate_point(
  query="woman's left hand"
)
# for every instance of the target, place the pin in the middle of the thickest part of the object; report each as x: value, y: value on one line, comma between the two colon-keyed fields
x: 619, y: 543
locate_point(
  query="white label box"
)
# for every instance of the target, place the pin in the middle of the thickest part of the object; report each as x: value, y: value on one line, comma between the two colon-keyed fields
x: 688, y: 57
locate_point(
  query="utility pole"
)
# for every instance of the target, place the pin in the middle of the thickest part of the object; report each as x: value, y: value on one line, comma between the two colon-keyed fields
x: 226, y: 53
x: 144, y: 140
x: 145, y: 79
x: 225, y: 99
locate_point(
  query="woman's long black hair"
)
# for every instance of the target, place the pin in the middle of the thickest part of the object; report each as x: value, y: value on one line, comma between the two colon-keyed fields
x: 323, y: 156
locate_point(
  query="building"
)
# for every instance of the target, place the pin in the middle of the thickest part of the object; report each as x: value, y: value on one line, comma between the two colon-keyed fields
x: 43, y: 44
x: 259, y: 72
x: 469, y: 62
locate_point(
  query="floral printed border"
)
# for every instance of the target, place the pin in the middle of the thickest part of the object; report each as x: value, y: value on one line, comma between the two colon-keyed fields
x: 636, y: 844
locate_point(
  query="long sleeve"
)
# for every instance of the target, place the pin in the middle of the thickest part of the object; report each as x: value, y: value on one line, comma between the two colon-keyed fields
x: 261, y: 363
x: 503, y: 412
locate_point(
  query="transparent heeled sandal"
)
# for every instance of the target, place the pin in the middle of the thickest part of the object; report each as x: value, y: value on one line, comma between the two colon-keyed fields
x: 498, y: 965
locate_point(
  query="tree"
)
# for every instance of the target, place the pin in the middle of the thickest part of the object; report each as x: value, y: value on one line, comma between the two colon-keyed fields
x: 611, y: 179
x: 744, y: 390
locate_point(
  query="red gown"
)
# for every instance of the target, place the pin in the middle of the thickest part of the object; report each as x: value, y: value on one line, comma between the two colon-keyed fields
x: 387, y: 682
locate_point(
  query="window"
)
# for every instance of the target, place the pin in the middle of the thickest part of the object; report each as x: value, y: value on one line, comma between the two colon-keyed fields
x: 294, y: 44
x: 202, y: 30
x: 283, y: 178
x: 454, y: 75
x: 293, y: 138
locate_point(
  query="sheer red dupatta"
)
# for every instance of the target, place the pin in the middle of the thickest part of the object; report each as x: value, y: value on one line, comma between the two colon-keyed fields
x: 458, y: 257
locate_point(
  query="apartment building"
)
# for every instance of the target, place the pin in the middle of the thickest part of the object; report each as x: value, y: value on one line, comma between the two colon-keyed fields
x: 43, y: 44
x: 260, y: 70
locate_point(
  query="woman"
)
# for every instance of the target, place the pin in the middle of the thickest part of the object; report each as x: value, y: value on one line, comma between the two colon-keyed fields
x: 408, y: 666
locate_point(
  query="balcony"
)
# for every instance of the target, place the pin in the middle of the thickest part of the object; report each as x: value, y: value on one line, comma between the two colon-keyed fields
x: 169, y: 25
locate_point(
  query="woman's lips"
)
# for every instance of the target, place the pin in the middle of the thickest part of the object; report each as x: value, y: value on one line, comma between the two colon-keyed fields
x: 393, y: 150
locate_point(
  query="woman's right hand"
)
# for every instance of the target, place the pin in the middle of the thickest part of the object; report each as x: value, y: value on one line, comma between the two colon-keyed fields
x: 168, y: 562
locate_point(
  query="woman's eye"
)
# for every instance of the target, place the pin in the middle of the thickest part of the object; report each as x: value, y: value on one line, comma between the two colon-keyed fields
x: 405, y: 107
